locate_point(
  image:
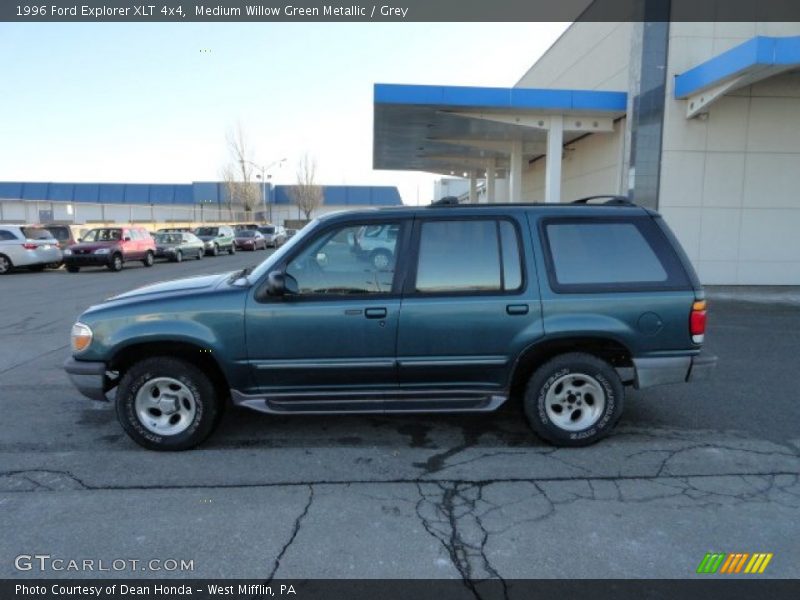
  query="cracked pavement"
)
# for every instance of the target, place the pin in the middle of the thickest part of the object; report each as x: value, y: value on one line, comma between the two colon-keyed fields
x: 712, y: 466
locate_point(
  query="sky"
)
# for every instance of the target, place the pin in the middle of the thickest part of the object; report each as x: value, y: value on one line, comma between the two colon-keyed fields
x: 152, y: 103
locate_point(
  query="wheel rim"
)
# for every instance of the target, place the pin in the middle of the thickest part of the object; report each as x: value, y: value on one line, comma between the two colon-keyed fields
x: 165, y: 406
x: 179, y: 256
x: 117, y: 263
x: 381, y: 261
x: 575, y: 402
x: 3, y: 264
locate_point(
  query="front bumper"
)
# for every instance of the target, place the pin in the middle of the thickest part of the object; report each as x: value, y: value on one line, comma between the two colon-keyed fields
x: 672, y: 369
x: 87, y: 260
x: 88, y: 376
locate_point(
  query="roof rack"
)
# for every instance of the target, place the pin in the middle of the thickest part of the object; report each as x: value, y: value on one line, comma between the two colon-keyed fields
x: 612, y: 200
x: 446, y: 201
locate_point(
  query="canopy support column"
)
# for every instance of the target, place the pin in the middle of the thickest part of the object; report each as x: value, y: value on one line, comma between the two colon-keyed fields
x: 515, y: 173
x: 473, y: 188
x: 552, y: 176
x: 490, y: 175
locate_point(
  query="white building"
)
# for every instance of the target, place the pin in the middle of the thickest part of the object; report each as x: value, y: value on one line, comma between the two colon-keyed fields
x: 698, y: 120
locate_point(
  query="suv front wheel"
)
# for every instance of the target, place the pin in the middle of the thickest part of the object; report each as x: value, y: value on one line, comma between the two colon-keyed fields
x: 167, y: 404
x: 574, y: 399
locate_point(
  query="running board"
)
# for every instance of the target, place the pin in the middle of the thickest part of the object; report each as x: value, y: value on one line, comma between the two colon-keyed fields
x: 320, y: 403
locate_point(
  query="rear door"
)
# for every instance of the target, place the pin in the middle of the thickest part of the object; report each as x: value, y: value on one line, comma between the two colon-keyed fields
x: 470, y: 304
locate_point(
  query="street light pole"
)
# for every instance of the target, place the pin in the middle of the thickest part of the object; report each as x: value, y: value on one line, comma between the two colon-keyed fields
x: 264, y: 169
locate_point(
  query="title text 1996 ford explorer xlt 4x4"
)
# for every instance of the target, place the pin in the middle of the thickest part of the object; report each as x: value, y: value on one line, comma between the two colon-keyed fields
x: 558, y: 306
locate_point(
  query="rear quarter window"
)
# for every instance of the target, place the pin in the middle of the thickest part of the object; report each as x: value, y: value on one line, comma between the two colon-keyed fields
x: 610, y: 254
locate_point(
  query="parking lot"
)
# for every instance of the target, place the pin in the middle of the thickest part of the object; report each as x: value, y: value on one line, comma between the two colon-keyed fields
x: 711, y: 467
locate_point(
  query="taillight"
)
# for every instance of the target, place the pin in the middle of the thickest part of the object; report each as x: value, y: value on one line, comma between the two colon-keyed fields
x: 29, y: 246
x: 697, y: 321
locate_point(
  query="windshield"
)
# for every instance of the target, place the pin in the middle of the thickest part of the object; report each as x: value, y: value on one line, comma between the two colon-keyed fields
x: 168, y: 238
x: 103, y: 235
x: 206, y: 231
x: 266, y: 229
x: 245, y: 233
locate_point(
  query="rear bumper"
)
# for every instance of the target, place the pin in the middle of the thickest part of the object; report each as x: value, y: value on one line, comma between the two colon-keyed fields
x: 88, y: 376
x: 28, y: 258
x: 672, y: 369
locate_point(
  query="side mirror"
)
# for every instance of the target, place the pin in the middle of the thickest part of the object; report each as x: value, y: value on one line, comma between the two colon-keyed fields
x: 79, y: 240
x: 281, y: 284
x: 126, y: 239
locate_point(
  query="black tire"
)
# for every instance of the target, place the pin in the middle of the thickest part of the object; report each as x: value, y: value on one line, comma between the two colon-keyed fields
x: 381, y: 259
x: 116, y: 263
x: 215, y: 250
x: 71, y: 269
x: 569, y: 370
x: 200, y: 253
x: 208, y: 406
x: 232, y: 249
x: 179, y: 256
x: 5, y: 264
x: 149, y: 259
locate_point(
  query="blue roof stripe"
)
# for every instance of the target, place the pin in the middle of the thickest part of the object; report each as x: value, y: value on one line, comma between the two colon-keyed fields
x: 189, y: 193
x: 500, y: 98
x: 760, y: 51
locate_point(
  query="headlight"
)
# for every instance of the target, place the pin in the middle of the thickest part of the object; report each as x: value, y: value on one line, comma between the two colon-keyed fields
x: 81, y: 337
x: 102, y: 251
x: 67, y: 252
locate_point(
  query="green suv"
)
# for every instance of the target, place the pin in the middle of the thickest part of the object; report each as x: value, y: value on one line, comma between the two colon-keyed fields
x: 559, y: 307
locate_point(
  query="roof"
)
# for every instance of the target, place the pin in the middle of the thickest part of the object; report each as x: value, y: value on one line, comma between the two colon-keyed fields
x: 439, y: 128
x: 183, y: 193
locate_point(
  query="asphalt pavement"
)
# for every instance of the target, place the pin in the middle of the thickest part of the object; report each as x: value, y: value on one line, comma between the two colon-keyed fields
x: 707, y: 467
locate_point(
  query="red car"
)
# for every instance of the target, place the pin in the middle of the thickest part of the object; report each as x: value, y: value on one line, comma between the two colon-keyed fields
x: 249, y: 239
x: 111, y: 247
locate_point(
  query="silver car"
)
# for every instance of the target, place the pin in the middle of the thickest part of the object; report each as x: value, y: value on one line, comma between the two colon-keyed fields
x: 27, y: 246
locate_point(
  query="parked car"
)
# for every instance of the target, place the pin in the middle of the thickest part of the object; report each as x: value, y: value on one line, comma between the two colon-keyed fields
x: 275, y: 235
x: 557, y: 306
x: 375, y: 243
x: 249, y: 239
x: 175, y: 230
x: 67, y: 235
x: 246, y: 226
x: 111, y: 247
x: 177, y: 246
x: 27, y: 246
x: 290, y: 233
x: 217, y: 239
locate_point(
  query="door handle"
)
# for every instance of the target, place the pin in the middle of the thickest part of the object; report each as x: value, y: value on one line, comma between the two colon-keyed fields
x: 375, y: 313
x: 517, y: 309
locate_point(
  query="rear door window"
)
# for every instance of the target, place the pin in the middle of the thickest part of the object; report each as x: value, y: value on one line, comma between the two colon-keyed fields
x: 609, y: 254
x: 468, y: 256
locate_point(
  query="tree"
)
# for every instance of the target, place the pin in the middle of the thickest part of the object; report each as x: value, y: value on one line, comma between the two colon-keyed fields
x: 238, y: 176
x: 307, y: 195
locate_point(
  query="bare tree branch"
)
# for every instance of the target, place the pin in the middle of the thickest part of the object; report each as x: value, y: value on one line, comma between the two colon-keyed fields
x: 307, y: 195
x: 238, y: 175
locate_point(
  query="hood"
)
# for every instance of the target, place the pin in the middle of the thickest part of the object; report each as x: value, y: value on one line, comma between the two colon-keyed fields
x: 91, y: 246
x: 164, y: 245
x: 207, y: 238
x: 177, y: 286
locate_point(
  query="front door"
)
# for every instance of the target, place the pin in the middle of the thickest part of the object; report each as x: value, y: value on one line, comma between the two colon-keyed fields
x: 335, y: 338
x: 469, y: 308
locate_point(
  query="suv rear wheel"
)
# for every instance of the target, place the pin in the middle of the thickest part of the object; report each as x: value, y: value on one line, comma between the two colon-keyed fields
x: 167, y: 404
x: 574, y: 399
x: 149, y: 259
x: 5, y: 265
x: 232, y: 249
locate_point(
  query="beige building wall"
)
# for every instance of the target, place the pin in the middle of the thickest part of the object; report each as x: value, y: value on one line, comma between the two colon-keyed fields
x: 587, y: 56
x: 730, y: 179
